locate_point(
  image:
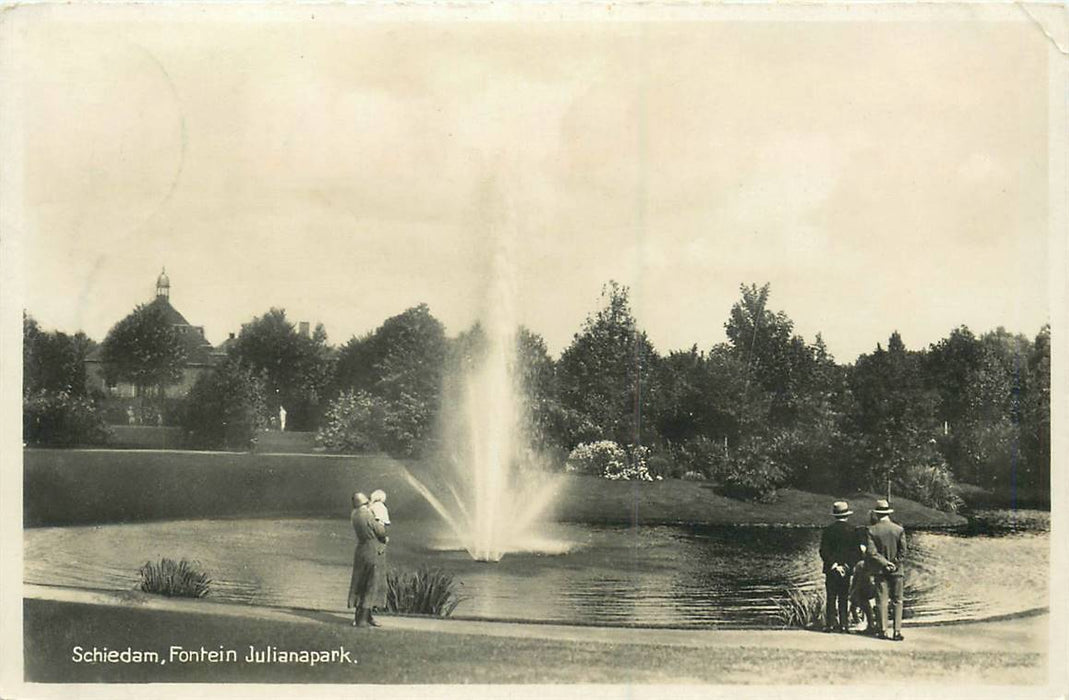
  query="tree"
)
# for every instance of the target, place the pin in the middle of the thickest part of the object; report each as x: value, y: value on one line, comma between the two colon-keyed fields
x: 296, y: 369
x: 401, y: 363
x: 538, y: 390
x: 145, y: 350
x: 53, y: 361
x: 1035, y: 412
x: 605, y: 373
x: 778, y: 361
x: 893, y: 414
x: 226, y: 408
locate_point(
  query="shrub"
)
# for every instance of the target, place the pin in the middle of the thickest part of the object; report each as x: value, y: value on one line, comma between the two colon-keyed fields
x: 607, y: 459
x: 701, y: 455
x: 61, y: 419
x: 354, y: 422
x: 931, y: 485
x: 174, y: 579
x: 756, y: 469
x: 803, y: 609
x: 661, y: 465
x: 226, y: 408
x: 425, y: 592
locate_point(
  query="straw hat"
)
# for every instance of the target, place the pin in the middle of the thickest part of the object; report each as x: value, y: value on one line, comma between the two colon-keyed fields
x: 841, y: 509
x: 883, y: 507
x: 378, y: 495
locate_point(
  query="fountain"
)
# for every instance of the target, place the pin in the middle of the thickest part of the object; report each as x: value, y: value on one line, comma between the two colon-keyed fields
x: 496, y: 486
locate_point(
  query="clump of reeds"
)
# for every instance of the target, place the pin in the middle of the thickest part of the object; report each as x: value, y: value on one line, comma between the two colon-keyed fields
x: 425, y: 592
x: 803, y: 609
x: 179, y: 579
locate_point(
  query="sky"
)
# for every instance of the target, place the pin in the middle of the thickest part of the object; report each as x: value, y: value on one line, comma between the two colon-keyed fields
x: 880, y: 176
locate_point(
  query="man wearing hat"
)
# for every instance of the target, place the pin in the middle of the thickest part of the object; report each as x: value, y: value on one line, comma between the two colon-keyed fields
x: 839, y: 552
x: 886, y: 548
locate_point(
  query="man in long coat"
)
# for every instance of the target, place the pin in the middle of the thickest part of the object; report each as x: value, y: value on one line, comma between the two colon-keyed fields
x: 887, y: 548
x: 839, y: 552
x: 370, y: 547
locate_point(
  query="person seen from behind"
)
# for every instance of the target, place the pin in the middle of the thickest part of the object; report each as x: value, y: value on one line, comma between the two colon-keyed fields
x: 886, y: 548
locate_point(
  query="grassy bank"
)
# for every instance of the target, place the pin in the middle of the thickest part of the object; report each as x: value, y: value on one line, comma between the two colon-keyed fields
x: 63, y: 487
x: 53, y: 629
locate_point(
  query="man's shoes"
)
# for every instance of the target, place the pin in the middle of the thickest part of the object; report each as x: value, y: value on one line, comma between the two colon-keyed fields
x: 898, y: 637
x: 882, y: 635
x: 372, y: 621
x: 828, y: 630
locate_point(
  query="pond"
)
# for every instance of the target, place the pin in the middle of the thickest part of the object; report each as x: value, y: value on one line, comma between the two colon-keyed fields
x: 655, y: 576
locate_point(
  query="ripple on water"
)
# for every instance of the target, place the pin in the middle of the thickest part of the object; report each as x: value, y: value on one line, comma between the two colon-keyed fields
x: 611, y: 575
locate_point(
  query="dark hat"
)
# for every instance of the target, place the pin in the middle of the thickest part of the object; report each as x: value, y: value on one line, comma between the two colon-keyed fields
x: 883, y: 507
x: 841, y: 509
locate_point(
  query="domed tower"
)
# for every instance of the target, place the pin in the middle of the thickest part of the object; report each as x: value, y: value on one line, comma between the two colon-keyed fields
x: 163, y: 285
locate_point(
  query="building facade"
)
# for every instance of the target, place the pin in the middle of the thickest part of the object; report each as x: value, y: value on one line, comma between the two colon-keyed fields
x: 201, y: 356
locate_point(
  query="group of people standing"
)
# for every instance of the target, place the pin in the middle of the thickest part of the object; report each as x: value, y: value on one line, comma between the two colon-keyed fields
x: 861, y: 563
x: 367, y: 586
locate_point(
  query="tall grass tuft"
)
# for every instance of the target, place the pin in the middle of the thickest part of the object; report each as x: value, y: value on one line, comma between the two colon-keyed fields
x: 425, y: 592
x: 803, y: 609
x: 174, y: 579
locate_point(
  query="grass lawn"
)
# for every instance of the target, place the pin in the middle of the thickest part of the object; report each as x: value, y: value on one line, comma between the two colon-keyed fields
x: 53, y: 629
x: 63, y: 487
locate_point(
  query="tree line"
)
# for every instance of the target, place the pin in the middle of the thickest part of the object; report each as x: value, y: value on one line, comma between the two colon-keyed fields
x: 764, y: 410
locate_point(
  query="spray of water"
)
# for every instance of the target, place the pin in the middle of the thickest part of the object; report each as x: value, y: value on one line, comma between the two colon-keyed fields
x: 497, y: 497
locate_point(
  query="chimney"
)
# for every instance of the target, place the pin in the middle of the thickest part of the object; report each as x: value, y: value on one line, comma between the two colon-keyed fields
x: 303, y: 329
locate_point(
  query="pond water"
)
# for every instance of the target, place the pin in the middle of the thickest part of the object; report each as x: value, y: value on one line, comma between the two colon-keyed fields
x: 656, y: 576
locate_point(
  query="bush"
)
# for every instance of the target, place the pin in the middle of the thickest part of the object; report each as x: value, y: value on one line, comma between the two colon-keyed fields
x: 174, y: 579
x: 354, y: 422
x: 931, y: 485
x: 226, y: 408
x: 701, y: 455
x: 803, y: 609
x: 425, y: 592
x: 607, y: 459
x: 755, y: 470
x: 58, y: 418
x: 662, y: 466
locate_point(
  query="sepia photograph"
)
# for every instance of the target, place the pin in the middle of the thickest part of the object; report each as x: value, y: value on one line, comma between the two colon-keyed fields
x: 614, y: 348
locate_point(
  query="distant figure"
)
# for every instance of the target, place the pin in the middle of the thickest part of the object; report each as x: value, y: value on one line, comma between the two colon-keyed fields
x: 130, y: 417
x: 886, y: 548
x: 370, y: 547
x: 282, y: 418
x: 839, y: 553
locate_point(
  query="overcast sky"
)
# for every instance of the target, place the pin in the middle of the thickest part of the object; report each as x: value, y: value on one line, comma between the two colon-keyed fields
x: 880, y: 176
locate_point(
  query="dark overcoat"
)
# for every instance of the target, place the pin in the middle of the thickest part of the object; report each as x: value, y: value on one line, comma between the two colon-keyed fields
x: 839, y: 545
x: 365, y: 590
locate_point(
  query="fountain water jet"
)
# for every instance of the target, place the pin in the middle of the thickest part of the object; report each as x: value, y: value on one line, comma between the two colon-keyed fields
x: 499, y: 495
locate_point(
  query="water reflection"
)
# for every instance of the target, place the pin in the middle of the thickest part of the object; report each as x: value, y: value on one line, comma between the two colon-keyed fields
x: 703, y: 577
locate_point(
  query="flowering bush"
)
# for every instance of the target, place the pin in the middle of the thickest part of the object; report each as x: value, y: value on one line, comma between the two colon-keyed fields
x: 607, y: 459
x: 354, y: 422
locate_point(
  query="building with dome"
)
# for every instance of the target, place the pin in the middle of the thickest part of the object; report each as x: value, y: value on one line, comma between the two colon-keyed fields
x: 201, y: 356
